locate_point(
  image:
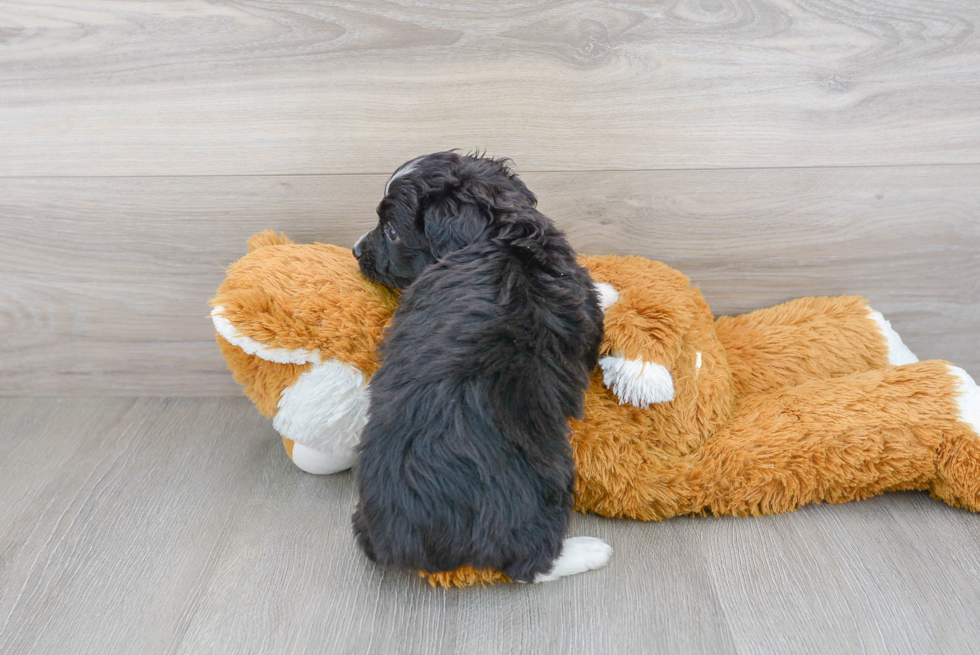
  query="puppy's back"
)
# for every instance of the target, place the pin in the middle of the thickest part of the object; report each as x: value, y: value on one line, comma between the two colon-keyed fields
x: 465, y: 458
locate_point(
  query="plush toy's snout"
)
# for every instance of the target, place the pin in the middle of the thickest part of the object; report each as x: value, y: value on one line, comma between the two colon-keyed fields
x: 323, y: 414
x: 298, y: 326
x: 318, y: 408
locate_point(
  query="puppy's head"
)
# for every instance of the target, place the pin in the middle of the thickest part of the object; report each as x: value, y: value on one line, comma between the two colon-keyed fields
x: 434, y: 205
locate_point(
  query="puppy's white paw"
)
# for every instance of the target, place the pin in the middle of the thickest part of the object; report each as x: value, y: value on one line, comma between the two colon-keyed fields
x: 636, y: 382
x: 898, y: 352
x: 578, y: 555
x: 968, y: 400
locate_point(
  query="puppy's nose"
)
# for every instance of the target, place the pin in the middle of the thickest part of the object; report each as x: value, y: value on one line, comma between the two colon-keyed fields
x: 357, y: 249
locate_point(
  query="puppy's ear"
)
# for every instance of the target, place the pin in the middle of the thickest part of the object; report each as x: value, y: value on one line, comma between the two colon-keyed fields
x: 521, y: 190
x: 450, y: 225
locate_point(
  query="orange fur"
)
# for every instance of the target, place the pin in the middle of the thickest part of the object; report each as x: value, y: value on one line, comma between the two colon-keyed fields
x: 464, y: 576
x: 798, y: 341
x: 790, y: 405
x: 303, y: 296
x: 262, y: 381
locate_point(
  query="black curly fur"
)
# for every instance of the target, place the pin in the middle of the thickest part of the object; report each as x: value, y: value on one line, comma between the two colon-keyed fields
x: 465, y: 457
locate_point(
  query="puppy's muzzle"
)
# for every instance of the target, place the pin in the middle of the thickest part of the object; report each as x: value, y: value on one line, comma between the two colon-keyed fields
x: 357, y: 250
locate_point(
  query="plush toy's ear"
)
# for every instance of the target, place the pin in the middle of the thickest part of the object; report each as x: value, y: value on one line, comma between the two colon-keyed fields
x: 267, y: 238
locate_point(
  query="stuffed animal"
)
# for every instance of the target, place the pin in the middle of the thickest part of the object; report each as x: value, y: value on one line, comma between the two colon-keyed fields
x: 815, y: 400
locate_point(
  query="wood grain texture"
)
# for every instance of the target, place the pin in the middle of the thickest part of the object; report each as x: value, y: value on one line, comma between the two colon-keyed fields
x: 89, y: 87
x: 179, y: 526
x: 833, y: 568
x: 107, y: 279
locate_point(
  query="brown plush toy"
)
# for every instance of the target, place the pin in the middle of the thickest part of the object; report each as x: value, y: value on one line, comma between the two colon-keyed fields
x: 815, y: 400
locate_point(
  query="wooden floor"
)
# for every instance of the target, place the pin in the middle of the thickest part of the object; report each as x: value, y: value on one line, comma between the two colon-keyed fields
x: 179, y: 526
x: 769, y: 149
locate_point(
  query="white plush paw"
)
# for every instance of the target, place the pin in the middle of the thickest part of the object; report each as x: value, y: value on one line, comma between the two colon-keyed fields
x: 898, y: 352
x: 636, y: 382
x: 323, y: 463
x: 968, y: 399
x: 578, y: 555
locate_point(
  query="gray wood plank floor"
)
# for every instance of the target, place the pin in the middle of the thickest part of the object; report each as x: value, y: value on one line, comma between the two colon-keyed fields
x: 179, y: 526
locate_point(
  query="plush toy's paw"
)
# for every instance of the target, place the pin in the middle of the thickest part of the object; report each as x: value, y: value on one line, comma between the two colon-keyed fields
x: 968, y: 400
x: 636, y: 382
x: 319, y: 463
x: 578, y: 555
x: 898, y: 352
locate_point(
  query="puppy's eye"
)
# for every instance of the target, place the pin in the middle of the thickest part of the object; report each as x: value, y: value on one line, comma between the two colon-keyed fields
x: 390, y: 232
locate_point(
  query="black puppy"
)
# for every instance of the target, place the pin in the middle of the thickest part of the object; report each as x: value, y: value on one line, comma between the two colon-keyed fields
x: 465, y: 458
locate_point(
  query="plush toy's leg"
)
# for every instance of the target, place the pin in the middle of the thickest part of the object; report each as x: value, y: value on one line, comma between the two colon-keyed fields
x: 902, y: 427
x: 957, y: 479
x: 808, y: 339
